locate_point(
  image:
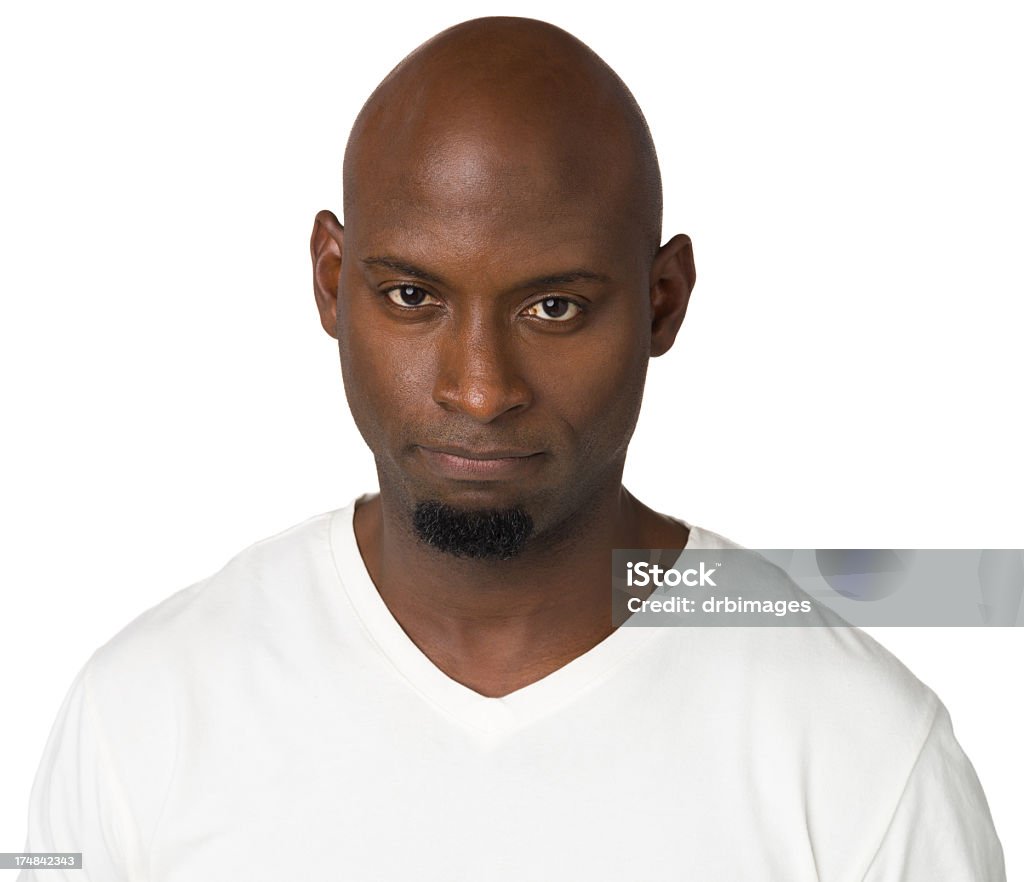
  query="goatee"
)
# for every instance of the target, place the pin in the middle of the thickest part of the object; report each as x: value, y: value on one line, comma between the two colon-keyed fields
x: 498, y: 533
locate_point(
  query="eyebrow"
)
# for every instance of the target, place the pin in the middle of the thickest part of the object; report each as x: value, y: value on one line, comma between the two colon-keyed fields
x: 400, y: 266
x: 563, y: 278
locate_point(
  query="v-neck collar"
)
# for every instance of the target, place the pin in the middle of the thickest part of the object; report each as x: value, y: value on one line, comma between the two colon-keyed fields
x: 484, y: 715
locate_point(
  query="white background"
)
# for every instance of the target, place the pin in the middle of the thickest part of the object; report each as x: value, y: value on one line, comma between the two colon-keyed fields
x: 848, y: 374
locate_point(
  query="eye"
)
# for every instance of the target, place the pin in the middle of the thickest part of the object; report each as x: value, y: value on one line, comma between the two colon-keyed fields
x: 408, y: 296
x: 556, y: 309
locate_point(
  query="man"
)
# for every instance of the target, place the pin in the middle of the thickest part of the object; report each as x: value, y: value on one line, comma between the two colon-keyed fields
x: 426, y: 684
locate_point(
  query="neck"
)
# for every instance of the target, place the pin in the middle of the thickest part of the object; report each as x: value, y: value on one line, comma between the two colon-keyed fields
x: 498, y: 625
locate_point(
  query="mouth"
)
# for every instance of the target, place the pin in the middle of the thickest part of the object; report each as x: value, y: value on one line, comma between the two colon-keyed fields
x: 461, y: 464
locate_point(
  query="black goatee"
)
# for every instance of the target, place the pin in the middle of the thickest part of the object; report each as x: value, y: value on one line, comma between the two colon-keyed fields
x: 497, y: 533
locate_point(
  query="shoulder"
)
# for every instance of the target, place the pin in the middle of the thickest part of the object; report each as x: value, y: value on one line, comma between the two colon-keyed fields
x: 255, y: 582
x: 839, y: 720
x: 836, y: 664
x: 827, y: 675
x: 210, y: 634
x: 152, y: 690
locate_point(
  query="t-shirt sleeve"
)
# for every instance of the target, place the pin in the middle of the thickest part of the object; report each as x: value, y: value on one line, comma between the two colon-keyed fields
x: 76, y: 803
x: 941, y: 828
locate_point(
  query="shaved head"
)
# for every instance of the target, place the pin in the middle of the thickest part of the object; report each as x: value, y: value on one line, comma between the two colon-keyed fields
x: 506, y: 106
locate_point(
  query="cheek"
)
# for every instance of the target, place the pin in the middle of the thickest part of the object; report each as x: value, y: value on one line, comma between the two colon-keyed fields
x: 598, y: 383
x: 624, y: 384
x: 384, y: 376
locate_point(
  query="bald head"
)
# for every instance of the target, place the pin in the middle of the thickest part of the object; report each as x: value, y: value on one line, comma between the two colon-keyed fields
x: 501, y: 114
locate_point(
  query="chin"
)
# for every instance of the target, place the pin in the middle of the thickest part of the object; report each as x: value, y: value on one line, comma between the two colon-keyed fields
x: 496, y: 533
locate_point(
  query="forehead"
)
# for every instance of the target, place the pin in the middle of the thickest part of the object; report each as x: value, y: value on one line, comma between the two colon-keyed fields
x: 471, y: 195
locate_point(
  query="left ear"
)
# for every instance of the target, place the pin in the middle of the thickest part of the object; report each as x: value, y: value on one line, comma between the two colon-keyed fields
x: 672, y: 279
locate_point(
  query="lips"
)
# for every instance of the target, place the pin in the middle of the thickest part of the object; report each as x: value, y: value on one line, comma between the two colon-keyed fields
x: 498, y: 464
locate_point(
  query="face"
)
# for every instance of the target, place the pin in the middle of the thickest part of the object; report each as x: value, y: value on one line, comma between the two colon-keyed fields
x: 494, y: 332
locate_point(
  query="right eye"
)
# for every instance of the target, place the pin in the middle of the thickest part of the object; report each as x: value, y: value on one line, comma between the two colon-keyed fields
x: 409, y: 296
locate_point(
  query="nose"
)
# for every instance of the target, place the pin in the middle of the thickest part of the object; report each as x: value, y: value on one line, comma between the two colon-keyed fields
x: 478, y: 375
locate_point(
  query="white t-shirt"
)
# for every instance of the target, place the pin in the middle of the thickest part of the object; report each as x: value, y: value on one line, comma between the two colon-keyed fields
x: 275, y: 722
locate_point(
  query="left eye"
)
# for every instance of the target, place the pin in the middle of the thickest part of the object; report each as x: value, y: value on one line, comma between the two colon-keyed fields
x: 407, y: 296
x: 556, y: 309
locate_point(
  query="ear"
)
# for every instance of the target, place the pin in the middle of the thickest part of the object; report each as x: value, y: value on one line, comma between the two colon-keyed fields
x: 325, y: 247
x: 672, y: 279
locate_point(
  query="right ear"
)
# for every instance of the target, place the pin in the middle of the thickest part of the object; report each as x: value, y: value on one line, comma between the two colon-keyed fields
x: 325, y: 246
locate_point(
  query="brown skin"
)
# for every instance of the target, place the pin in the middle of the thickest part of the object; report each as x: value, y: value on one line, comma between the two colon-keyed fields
x: 471, y: 176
